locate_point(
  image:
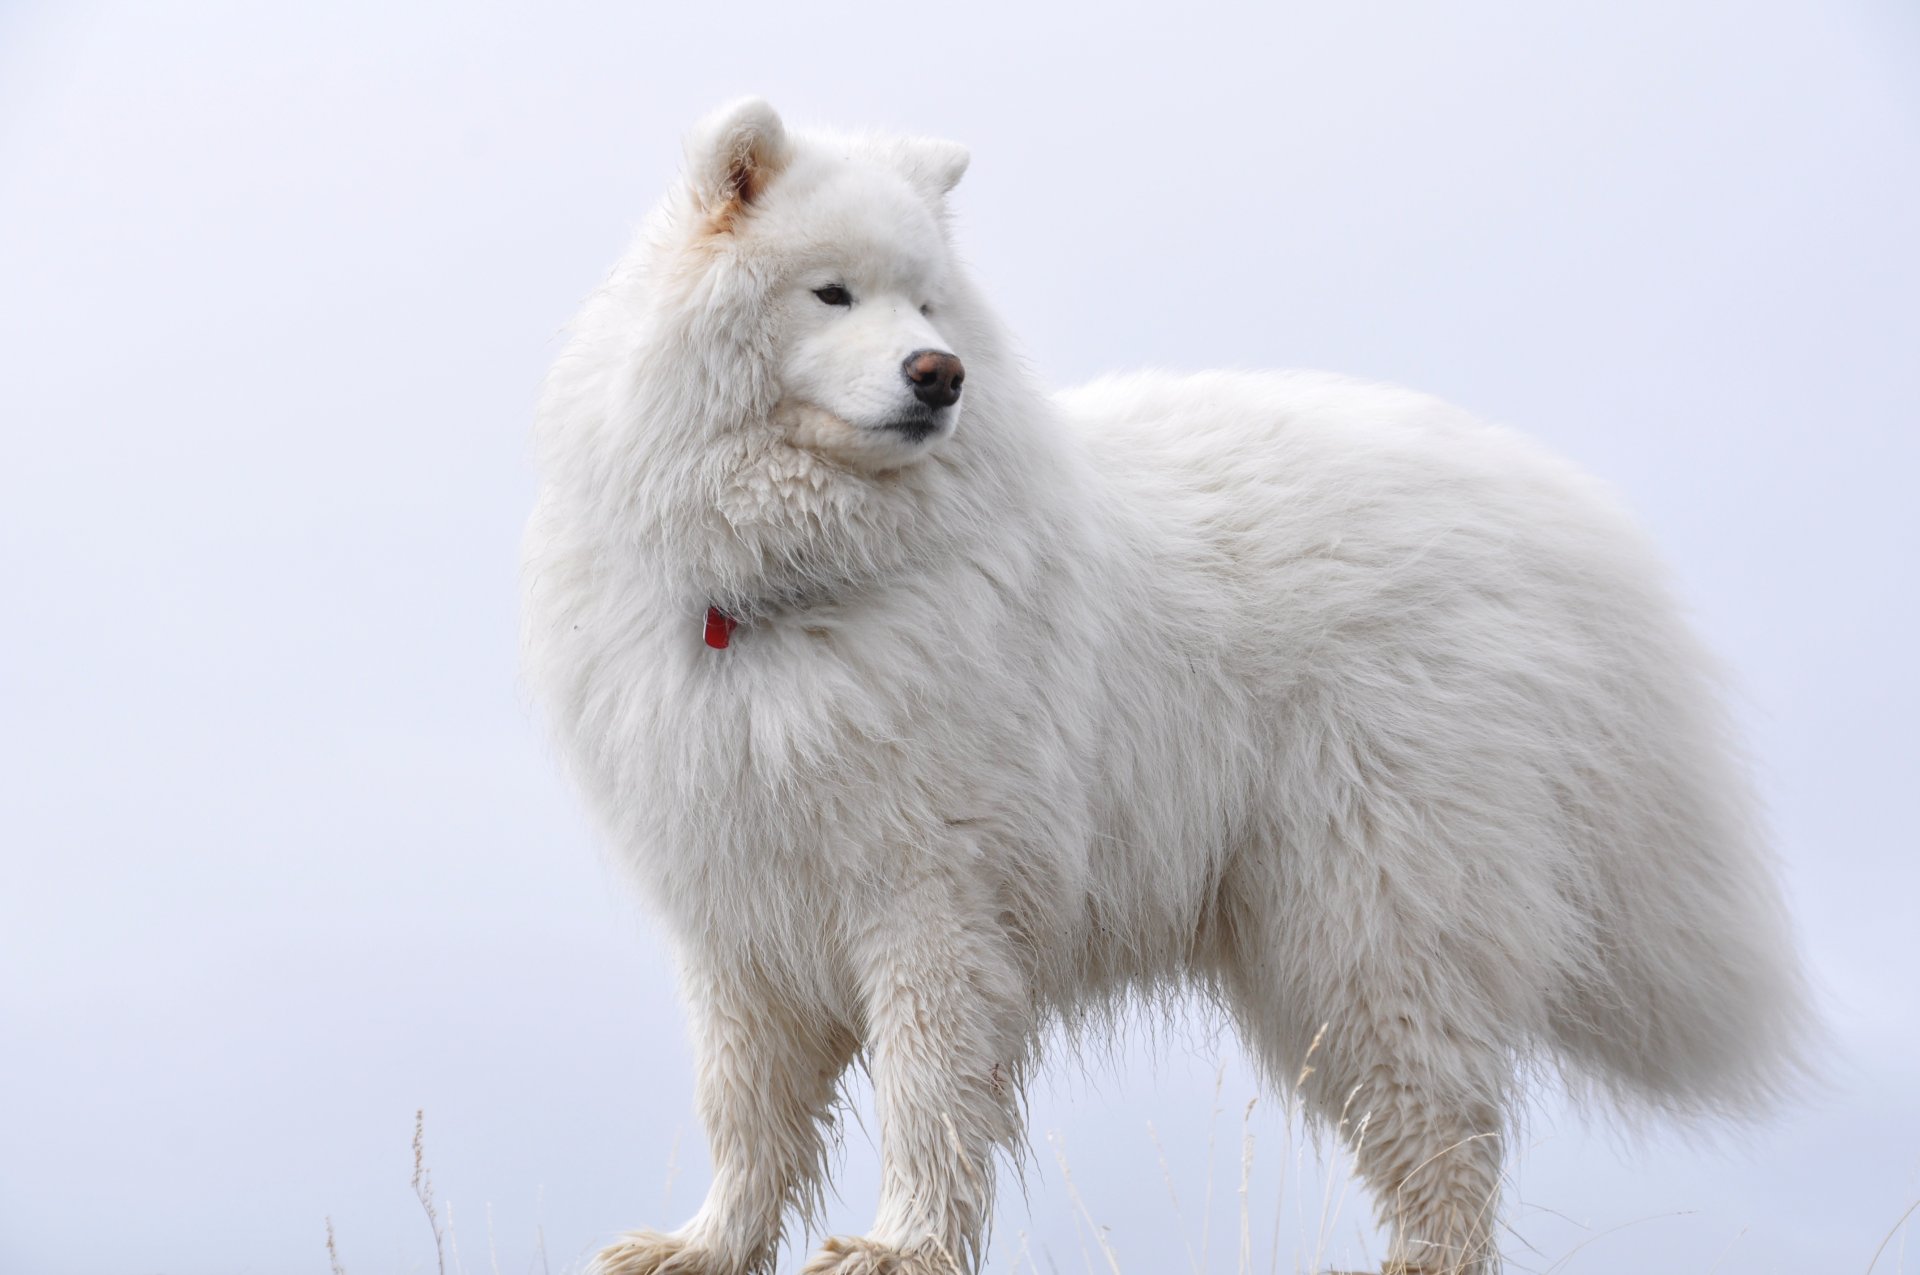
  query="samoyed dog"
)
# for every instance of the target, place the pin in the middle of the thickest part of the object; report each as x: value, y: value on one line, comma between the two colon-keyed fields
x: 936, y: 713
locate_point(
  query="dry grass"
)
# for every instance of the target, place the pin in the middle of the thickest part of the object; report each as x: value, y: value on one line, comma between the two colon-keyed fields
x: 440, y: 1215
x: 1897, y: 1226
x: 423, y: 1189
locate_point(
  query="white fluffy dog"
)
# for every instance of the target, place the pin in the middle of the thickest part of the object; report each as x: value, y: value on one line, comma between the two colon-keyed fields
x: 935, y: 713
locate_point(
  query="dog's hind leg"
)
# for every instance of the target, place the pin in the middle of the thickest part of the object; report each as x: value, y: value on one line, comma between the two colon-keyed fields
x: 767, y: 1075
x: 1419, y: 1111
x: 1366, y: 1016
x: 1432, y: 1160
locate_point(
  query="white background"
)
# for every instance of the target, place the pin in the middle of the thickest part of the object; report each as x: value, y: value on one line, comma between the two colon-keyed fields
x: 284, y: 856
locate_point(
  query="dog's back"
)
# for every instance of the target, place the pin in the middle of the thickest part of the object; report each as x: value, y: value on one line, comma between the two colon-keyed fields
x: 1487, y: 729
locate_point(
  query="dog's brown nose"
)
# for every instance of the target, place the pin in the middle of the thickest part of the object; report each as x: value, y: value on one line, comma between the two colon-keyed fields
x: 935, y: 376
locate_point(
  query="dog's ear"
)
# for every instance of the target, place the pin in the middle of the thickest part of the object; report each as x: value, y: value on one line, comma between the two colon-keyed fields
x: 935, y: 167
x: 732, y: 155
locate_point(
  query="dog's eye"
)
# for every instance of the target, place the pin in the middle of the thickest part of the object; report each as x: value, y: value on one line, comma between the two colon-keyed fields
x: 927, y: 309
x: 834, y: 294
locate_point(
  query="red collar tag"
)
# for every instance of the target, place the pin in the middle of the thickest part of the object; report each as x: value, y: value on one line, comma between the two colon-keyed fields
x: 719, y: 628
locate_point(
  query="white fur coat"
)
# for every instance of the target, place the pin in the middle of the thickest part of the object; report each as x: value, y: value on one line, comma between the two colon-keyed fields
x: 1368, y: 720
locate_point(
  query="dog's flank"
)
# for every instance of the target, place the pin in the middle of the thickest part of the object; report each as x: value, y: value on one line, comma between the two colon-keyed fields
x: 1369, y: 721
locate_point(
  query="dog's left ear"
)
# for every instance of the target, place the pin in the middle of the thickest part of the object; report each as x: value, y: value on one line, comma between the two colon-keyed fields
x: 732, y: 156
x: 935, y: 167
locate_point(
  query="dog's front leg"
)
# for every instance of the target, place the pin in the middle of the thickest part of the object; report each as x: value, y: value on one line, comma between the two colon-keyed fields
x: 765, y: 1087
x: 947, y: 1027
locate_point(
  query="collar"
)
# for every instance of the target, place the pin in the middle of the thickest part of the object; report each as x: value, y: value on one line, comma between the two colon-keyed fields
x: 720, y: 628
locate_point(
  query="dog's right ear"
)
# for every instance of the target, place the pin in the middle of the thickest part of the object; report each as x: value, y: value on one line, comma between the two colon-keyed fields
x: 936, y: 167
x: 732, y: 155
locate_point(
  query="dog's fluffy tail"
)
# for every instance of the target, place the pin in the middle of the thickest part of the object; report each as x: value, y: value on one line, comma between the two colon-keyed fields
x: 1694, y: 1003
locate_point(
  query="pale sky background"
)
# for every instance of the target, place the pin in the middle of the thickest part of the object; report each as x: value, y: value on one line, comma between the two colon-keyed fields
x: 285, y: 855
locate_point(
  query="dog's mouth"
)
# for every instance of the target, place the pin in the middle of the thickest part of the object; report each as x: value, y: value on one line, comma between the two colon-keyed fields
x: 915, y: 428
x: 904, y: 437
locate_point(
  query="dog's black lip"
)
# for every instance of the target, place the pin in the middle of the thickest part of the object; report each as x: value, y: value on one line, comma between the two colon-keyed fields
x: 914, y: 428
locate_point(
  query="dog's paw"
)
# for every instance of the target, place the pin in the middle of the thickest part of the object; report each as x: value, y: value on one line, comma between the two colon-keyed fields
x: 853, y: 1255
x: 651, y: 1253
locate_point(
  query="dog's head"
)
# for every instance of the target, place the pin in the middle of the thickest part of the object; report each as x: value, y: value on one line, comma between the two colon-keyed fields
x: 834, y: 252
